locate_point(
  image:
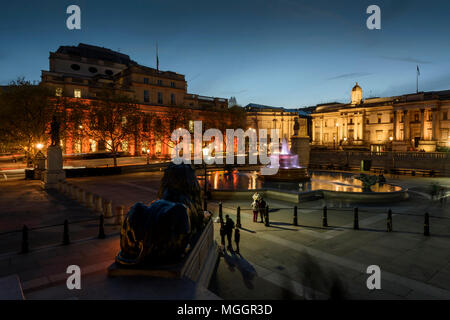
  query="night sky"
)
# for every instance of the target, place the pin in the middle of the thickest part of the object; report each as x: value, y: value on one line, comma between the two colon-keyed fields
x: 282, y: 53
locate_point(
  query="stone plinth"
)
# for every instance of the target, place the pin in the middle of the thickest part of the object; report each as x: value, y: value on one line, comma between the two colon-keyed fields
x: 301, y: 147
x: 427, y: 145
x: 54, y: 172
x: 400, y: 146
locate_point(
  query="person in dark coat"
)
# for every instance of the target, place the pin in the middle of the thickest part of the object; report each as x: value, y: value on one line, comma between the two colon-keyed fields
x: 222, y: 235
x: 229, y: 226
x: 262, y: 209
x: 237, y: 238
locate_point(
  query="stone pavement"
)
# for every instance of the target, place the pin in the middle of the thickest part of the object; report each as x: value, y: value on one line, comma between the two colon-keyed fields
x: 412, y: 266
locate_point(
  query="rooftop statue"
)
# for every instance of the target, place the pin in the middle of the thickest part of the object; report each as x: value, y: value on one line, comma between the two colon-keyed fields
x: 161, y: 233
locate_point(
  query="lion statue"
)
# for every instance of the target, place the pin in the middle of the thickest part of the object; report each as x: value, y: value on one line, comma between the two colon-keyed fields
x: 161, y: 232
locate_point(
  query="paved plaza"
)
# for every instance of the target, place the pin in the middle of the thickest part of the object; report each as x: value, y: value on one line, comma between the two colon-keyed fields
x: 281, y: 261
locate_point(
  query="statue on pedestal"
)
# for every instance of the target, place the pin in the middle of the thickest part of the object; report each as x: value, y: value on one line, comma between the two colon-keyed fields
x: 161, y: 232
x: 54, y: 132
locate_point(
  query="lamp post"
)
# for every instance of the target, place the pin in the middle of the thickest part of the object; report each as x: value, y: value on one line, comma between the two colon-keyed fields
x: 148, y: 156
x: 205, y: 204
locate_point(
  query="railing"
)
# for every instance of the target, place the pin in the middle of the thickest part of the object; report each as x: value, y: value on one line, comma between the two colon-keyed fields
x: 387, y: 154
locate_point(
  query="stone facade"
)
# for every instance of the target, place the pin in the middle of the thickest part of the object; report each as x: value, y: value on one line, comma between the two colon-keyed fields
x: 411, y: 122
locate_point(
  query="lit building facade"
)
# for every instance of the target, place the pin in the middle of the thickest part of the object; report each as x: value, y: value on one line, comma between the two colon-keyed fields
x: 411, y: 122
x: 84, y: 71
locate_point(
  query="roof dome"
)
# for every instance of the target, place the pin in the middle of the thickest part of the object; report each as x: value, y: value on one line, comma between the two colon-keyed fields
x: 356, y: 95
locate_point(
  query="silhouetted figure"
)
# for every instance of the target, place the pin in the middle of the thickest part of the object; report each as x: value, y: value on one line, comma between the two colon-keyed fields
x: 262, y: 209
x: 222, y: 235
x: 229, y: 226
x: 237, y: 238
x: 54, y: 131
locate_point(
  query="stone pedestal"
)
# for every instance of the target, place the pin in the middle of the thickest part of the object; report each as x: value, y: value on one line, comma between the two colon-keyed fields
x: 301, y: 147
x: 427, y: 146
x: 399, y: 146
x: 54, y: 172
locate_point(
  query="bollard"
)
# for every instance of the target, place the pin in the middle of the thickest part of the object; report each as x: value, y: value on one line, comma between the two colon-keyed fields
x: 266, y: 218
x: 66, y: 240
x: 82, y: 197
x: 356, y: 220
x: 325, y: 217
x: 98, y: 204
x: 73, y: 192
x: 119, y: 215
x: 295, y: 223
x: 89, y: 200
x: 108, y: 209
x: 25, y: 247
x: 389, y: 221
x: 101, y: 227
x: 220, y: 211
x: 238, y: 218
x: 426, y: 225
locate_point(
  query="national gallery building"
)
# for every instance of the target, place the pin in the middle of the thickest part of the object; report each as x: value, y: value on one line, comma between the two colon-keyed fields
x: 411, y: 122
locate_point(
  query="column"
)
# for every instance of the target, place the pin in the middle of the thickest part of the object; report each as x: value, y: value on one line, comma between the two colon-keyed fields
x: 435, y: 125
x: 394, y: 130
x: 363, y: 125
x: 422, y: 124
x: 314, y: 129
x: 406, y: 130
x: 321, y: 130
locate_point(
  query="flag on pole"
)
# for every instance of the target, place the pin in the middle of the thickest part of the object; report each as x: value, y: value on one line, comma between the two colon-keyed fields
x: 157, y: 58
x: 418, y: 71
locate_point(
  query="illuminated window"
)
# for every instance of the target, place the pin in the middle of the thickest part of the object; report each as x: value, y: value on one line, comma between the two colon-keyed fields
x: 59, y: 92
x: 77, y: 93
x: 125, y: 146
x: 191, y: 126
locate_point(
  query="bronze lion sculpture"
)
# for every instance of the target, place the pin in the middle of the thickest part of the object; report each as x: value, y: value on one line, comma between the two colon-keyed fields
x: 161, y: 232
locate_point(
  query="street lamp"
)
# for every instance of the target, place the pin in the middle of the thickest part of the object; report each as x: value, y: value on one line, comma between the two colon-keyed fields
x: 39, y: 146
x: 148, y: 156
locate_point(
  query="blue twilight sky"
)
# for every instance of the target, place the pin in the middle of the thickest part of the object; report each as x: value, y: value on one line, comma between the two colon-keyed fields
x: 289, y: 53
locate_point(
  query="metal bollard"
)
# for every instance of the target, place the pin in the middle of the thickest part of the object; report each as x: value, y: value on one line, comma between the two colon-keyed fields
x: 389, y: 221
x: 66, y: 240
x: 295, y: 223
x: 98, y: 204
x: 325, y: 217
x: 89, y: 200
x: 356, y: 220
x: 238, y: 217
x: 101, y: 227
x: 25, y: 245
x: 266, y: 222
x: 108, y: 209
x: 426, y: 225
x: 119, y: 215
x: 220, y: 211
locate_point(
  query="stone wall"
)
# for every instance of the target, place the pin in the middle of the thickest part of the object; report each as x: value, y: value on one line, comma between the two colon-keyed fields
x: 388, y: 160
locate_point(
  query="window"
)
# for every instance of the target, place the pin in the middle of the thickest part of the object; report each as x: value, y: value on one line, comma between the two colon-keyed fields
x: 367, y: 121
x: 444, y: 115
x: 172, y: 84
x: 75, y: 67
x: 416, y: 117
x: 160, y: 83
x: 93, y: 70
x: 58, y: 92
x: 146, y: 96
x: 172, y: 98
x: 160, y: 97
x: 125, y: 146
x: 351, y: 120
x: 379, y: 118
x: 146, y: 80
x: 108, y: 72
x: 77, y: 93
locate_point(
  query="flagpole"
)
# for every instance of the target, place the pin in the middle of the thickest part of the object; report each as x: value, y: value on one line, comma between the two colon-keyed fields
x: 417, y: 79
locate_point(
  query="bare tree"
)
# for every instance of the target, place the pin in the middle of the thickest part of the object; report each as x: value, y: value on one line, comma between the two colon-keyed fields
x: 112, y: 118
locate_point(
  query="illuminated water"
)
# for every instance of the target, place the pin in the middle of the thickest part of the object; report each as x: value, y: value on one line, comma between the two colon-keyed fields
x: 333, y: 181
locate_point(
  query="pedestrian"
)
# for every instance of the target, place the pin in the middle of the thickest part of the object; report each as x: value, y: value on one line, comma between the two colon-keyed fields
x: 255, y: 208
x: 262, y: 208
x: 229, y: 226
x: 237, y: 238
x: 222, y: 235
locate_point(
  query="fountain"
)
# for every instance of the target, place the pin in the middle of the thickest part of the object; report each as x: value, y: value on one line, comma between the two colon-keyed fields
x: 289, y: 169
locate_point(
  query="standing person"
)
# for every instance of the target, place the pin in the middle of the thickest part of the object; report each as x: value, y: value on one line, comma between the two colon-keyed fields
x: 255, y: 208
x: 229, y: 226
x: 262, y: 208
x: 237, y: 238
x: 222, y: 236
